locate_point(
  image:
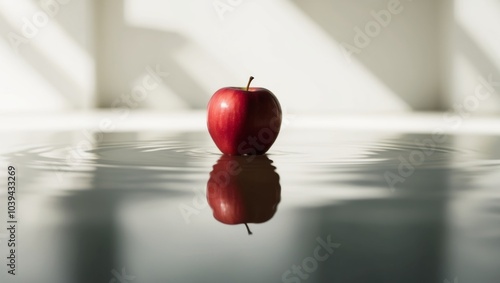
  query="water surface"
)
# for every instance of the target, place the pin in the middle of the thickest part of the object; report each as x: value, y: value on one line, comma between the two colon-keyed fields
x: 322, y: 206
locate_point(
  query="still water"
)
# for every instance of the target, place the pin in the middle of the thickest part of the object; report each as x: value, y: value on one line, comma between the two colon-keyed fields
x: 322, y: 206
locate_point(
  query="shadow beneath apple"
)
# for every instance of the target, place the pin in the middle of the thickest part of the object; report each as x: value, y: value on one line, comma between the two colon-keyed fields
x: 243, y: 189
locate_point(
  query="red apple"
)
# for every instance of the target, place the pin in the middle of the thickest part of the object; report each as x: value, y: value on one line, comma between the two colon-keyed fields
x: 240, y: 191
x: 244, y: 120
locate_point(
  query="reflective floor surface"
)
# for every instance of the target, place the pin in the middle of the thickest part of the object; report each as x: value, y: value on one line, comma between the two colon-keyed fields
x: 321, y: 206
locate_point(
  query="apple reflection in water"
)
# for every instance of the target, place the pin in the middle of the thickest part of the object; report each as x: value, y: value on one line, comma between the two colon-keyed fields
x: 243, y: 189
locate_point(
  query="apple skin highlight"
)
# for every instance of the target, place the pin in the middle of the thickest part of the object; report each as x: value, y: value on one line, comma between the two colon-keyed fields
x: 244, y: 121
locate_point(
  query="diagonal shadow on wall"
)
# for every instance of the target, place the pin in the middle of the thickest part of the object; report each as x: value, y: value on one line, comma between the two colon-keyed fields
x: 47, y: 69
x: 403, y: 54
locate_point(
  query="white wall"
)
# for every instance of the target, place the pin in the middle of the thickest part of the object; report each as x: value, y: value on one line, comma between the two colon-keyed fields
x: 427, y: 56
x: 46, y: 55
x: 280, y: 43
x: 473, y: 56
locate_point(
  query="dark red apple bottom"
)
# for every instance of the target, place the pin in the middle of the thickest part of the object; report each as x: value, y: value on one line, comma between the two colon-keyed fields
x: 244, y: 122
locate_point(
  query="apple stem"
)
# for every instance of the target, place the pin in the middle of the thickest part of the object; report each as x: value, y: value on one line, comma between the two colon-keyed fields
x: 249, y: 81
x: 248, y: 230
